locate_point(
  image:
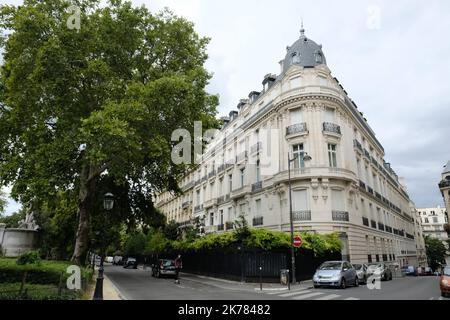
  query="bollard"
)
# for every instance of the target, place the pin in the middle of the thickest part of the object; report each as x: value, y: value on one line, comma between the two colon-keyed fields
x: 289, y: 280
x: 260, y: 278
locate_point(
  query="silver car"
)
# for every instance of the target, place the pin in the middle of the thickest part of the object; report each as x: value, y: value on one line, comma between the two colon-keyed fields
x: 335, y: 274
x: 361, y: 272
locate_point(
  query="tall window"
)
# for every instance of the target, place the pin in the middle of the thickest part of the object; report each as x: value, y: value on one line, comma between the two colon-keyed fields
x: 211, y: 219
x: 220, y: 187
x: 298, y: 153
x: 230, y: 183
x: 363, y: 208
x: 221, y: 217
x: 337, y: 200
x: 329, y: 115
x: 300, y: 200
x: 258, y: 207
x: 197, y: 197
x: 230, y: 210
x: 332, y: 158
x: 258, y: 171
x: 242, y: 177
x: 242, y: 209
x: 296, y: 116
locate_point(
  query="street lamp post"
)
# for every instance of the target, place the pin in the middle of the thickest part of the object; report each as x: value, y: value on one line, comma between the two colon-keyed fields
x: 306, y: 157
x: 108, y: 204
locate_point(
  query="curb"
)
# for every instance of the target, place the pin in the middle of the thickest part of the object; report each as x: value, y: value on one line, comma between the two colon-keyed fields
x: 121, y: 296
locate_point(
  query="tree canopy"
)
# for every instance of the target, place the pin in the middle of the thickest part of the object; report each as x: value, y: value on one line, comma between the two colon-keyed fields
x: 79, y: 105
x: 436, y: 252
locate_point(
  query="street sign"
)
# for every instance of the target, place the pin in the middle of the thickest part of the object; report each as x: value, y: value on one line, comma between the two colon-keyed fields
x: 297, y: 242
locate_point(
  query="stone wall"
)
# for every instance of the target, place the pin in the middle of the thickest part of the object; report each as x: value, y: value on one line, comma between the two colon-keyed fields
x: 14, y: 242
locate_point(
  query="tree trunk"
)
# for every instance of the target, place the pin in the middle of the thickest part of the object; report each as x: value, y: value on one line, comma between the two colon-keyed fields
x: 87, y: 190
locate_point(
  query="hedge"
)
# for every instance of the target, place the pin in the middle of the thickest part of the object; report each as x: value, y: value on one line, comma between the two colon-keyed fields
x: 11, y: 291
x: 45, y: 272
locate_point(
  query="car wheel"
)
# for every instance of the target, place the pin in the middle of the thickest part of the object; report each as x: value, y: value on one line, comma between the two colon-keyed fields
x: 316, y: 286
x: 158, y: 275
x: 343, y: 284
x: 356, y: 281
x: 365, y: 280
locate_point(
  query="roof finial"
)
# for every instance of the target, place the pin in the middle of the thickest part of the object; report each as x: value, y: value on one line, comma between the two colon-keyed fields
x: 302, y: 30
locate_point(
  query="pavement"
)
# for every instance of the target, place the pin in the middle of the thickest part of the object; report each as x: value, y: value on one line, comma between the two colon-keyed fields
x: 138, y: 284
x: 110, y: 291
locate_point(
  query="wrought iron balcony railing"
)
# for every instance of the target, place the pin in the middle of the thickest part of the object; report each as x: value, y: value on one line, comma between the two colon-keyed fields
x: 221, y: 200
x: 369, y: 189
x: 297, y: 128
x: 362, y: 185
x: 212, y: 174
x: 186, y: 204
x: 258, y: 221
x: 221, y: 168
x: 229, y: 225
x: 388, y: 229
x: 304, y: 215
x: 340, y: 215
x: 378, y: 196
x: 198, y: 208
x: 331, y: 127
x: 257, y: 186
x: 367, y: 154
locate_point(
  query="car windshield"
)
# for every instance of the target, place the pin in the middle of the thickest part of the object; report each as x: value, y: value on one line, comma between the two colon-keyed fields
x: 447, y: 271
x: 357, y: 266
x: 331, y: 266
x: 375, y: 266
x: 168, y: 263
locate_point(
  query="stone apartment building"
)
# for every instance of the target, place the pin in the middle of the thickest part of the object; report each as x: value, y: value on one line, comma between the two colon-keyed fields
x: 346, y: 186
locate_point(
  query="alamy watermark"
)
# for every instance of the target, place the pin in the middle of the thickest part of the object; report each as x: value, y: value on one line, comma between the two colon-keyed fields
x: 74, y: 20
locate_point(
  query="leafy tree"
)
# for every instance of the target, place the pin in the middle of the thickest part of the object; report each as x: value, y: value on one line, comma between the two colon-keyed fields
x: 241, y: 229
x: 172, y: 231
x: 13, y: 220
x: 136, y: 244
x: 2, y: 202
x: 78, y: 105
x: 436, y: 252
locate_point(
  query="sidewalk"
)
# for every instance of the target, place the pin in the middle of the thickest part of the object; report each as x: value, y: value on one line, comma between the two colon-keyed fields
x: 110, y: 292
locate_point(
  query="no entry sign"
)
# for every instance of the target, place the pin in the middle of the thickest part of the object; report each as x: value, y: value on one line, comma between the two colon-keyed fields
x: 297, y: 242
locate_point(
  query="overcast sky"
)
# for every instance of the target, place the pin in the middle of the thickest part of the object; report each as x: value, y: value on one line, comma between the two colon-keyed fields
x: 392, y: 57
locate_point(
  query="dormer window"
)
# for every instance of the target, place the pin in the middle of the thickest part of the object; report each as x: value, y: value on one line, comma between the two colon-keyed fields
x: 318, y: 57
x: 295, y: 57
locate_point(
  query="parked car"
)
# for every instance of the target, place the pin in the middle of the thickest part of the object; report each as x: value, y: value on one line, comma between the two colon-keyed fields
x: 335, y: 274
x: 130, y: 262
x: 428, y: 271
x: 118, y: 260
x: 379, y: 269
x: 109, y: 259
x: 361, y: 272
x: 163, y: 267
x: 444, y: 282
x: 410, y: 271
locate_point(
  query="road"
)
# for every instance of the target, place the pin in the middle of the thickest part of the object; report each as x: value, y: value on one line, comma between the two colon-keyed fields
x: 139, y: 285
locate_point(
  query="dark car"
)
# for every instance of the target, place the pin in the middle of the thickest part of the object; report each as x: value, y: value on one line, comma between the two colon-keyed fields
x: 164, y: 267
x: 130, y: 263
x: 409, y: 271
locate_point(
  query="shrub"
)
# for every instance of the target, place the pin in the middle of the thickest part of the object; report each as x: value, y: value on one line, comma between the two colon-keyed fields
x: 11, y: 291
x: 30, y: 257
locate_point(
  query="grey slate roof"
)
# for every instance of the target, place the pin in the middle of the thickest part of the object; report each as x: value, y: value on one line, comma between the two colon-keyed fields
x: 447, y: 168
x: 304, y: 52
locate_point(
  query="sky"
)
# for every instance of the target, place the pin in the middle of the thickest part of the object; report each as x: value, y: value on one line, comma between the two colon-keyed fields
x: 392, y: 57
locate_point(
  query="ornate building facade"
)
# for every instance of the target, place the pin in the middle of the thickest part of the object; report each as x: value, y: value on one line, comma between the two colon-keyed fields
x: 346, y: 187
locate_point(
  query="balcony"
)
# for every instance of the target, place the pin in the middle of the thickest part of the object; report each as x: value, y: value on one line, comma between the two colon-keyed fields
x: 229, y: 225
x: 256, y: 148
x: 297, y: 128
x: 240, y: 192
x: 198, y: 208
x: 221, y: 168
x: 258, y: 221
x: 367, y: 154
x: 186, y: 204
x: 189, y: 185
x: 241, y: 157
x: 210, y: 203
x: 257, y: 186
x: 304, y: 215
x: 373, y: 224
x: 220, y: 200
x: 204, y: 178
x: 410, y: 236
x: 380, y: 226
x: 365, y: 221
x: 340, y: 216
x: 220, y: 227
x: 357, y: 145
x: 227, y: 197
x: 332, y: 128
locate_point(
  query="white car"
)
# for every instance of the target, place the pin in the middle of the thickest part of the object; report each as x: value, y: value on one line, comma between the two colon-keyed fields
x: 109, y: 259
